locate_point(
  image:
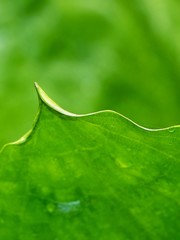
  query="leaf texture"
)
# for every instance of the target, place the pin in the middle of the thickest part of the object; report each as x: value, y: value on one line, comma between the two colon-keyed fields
x: 94, y: 176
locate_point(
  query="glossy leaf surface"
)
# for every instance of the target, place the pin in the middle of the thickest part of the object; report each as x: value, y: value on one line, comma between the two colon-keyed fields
x: 95, y: 176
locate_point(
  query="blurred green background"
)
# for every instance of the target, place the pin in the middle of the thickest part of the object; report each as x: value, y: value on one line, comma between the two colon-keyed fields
x: 91, y: 55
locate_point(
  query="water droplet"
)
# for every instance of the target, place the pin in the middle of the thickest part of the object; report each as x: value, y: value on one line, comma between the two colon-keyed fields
x: 50, y: 207
x: 121, y: 163
x: 171, y: 130
x: 45, y: 191
x: 2, y: 221
x: 69, y: 206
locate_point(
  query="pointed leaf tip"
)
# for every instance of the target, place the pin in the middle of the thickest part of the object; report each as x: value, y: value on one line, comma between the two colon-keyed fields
x: 50, y: 103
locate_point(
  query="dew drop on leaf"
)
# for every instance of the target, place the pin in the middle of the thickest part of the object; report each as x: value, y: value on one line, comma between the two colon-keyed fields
x: 2, y: 221
x: 69, y: 206
x: 50, y: 207
x: 171, y: 130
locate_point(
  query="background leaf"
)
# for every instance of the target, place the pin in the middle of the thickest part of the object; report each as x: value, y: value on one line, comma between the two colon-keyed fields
x: 90, y: 55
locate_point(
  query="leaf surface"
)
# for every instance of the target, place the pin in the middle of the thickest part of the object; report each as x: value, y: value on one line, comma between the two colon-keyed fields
x: 94, y: 176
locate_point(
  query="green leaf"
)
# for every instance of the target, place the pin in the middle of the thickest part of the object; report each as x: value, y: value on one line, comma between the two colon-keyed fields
x: 121, y: 55
x: 95, y: 176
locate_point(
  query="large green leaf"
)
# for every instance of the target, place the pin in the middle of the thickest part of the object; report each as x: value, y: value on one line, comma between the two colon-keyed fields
x: 95, y: 176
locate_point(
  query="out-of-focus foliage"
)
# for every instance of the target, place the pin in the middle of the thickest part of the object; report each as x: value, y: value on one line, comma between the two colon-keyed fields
x: 91, y: 55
